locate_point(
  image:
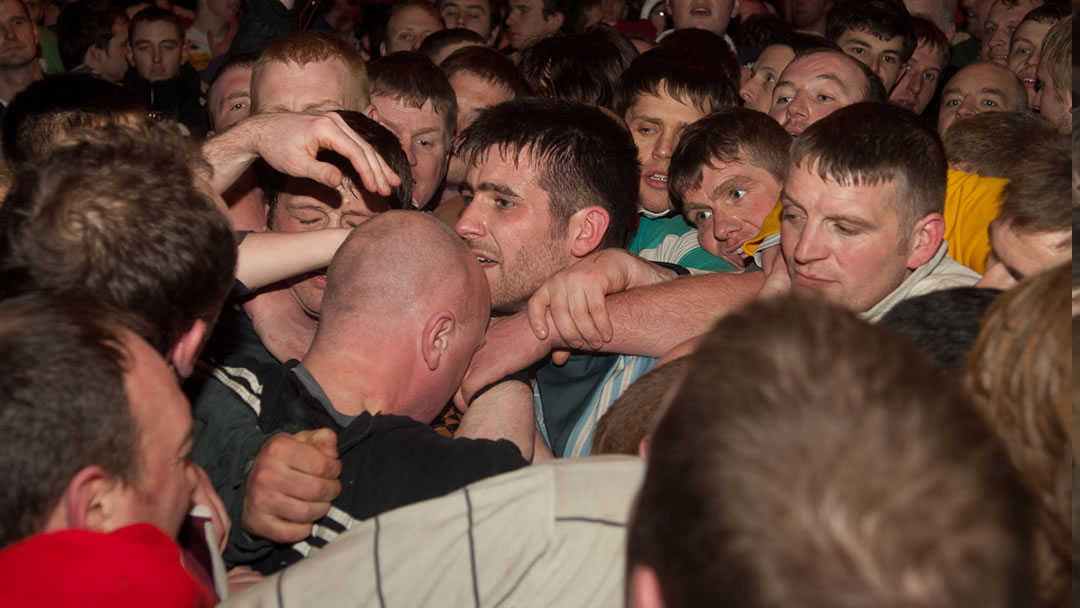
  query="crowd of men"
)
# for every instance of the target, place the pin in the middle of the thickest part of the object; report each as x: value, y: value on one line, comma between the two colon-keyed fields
x: 538, y: 302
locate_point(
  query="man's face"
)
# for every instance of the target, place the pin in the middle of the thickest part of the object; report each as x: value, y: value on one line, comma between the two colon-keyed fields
x: 304, y: 205
x: 918, y: 84
x: 813, y: 87
x: 758, y: 90
x: 408, y: 28
x: 507, y: 223
x: 473, y: 94
x: 711, y: 15
x: 423, y: 136
x: 116, y: 63
x: 930, y: 10
x: 999, y: 26
x: 229, y: 101
x: 526, y: 24
x: 841, y: 243
x: 157, y: 50
x: 1024, y: 53
x: 1015, y: 254
x: 162, y: 493
x: 729, y: 206
x: 974, y: 90
x: 19, y: 46
x: 1054, y: 105
x: 319, y: 85
x: 884, y: 57
x: 656, y: 124
x: 807, y: 13
x: 472, y: 15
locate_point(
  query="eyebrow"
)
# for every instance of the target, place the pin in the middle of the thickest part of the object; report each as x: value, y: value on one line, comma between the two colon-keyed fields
x: 498, y: 189
x: 728, y: 184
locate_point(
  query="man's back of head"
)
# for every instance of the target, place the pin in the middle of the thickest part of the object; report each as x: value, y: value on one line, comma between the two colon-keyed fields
x: 39, y: 119
x: 990, y: 144
x: 116, y: 216
x: 400, y: 280
x: 847, y: 472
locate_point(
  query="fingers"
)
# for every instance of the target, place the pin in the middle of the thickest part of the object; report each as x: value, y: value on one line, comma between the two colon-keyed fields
x: 560, y: 356
x: 375, y: 173
x: 291, y: 484
x: 538, y: 310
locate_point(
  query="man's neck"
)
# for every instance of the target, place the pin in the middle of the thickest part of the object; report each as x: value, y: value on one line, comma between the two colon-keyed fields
x: 14, y: 79
x: 345, y: 383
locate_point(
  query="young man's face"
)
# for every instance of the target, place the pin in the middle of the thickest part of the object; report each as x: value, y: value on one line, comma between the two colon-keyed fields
x: 115, y: 63
x: 758, y: 90
x: 806, y: 14
x: 319, y: 85
x: 999, y: 26
x: 1015, y: 254
x: 162, y: 493
x: 526, y: 23
x: 304, y: 205
x: 977, y: 89
x: 1054, y: 105
x: 19, y: 46
x: 423, y: 135
x: 711, y: 15
x: 408, y: 28
x: 841, y: 243
x: 474, y: 93
x: 507, y: 222
x: 884, y: 57
x: 729, y: 206
x: 656, y: 124
x: 229, y: 100
x: 1024, y: 54
x: 813, y: 87
x: 472, y: 15
x: 919, y: 83
x: 157, y: 50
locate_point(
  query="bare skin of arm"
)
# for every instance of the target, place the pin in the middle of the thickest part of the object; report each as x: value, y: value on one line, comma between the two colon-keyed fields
x: 647, y: 321
x: 505, y: 411
x: 269, y: 257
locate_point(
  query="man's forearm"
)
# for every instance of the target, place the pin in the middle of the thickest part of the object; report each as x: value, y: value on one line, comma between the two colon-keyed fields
x: 230, y: 154
x: 652, y: 320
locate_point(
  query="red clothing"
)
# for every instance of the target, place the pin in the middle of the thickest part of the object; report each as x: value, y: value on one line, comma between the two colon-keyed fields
x: 134, y: 566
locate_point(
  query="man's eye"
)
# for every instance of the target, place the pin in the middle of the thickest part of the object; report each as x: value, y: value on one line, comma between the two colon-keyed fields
x: 929, y: 76
x: 952, y: 102
x: 451, y: 13
x: 889, y: 59
x: 405, y: 36
x: 502, y: 203
x: 646, y: 130
x: 770, y: 78
x: 782, y: 100
x: 842, y: 229
x: 700, y: 216
x: 825, y: 98
x: 309, y: 221
x: 858, y: 50
x: 240, y: 105
x: 468, y: 198
x: 990, y: 103
x: 738, y: 193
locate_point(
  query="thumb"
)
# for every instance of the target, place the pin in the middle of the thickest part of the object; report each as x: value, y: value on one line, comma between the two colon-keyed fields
x: 560, y: 356
x: 325, y: 440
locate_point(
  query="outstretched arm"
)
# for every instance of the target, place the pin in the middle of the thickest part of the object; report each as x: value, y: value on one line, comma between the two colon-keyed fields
x: 269, y: 257
x: 289, y: 141
x: 647, y: 321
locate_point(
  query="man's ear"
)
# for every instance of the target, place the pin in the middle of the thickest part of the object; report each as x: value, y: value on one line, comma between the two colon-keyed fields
x: 950, y: 32
x: 436, y: 337
x: 382, y: 49
x: 587, y: 228
x: 130, y: 54
x: 644, y: 588
x: 372, y: 112
x: 94, y: 56
x: 87, y: 503
x: 494, y: 36
x: 185, y: 352
x: 735, y: 9
x: 925, y: 239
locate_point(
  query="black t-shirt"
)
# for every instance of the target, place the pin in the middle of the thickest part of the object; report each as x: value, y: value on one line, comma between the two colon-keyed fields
x: 386, y: 461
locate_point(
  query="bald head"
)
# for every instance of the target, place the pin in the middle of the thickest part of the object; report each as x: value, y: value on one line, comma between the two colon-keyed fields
x: 399, y: 266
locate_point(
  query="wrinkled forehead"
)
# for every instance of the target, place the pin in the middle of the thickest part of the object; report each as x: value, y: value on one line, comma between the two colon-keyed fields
x: 825, y: 66
x: 12, y: 8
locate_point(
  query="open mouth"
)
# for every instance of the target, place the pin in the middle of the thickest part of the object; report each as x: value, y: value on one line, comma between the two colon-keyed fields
x: 657, y: 180
x: 485, y: 261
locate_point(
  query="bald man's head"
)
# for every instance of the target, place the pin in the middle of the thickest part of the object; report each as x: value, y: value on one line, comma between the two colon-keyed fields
x: 400, y: 280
